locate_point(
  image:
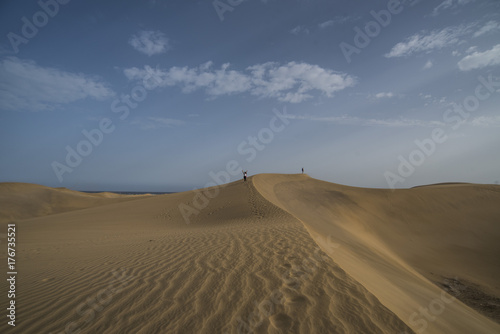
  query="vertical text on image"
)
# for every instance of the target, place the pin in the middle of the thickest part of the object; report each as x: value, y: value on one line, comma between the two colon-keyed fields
x: 11, y: 273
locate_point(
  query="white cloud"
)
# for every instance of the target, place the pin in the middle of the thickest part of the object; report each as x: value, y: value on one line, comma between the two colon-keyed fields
x: 168, y: 122
x: 489, y: 26
x: 427, y: 65
x: 326, y: 24
x: 471, y: 49
x: 299, y: 29
x: 150, y: 42
x: 215, y: 82
x: 292, y: 82
x: 151, y: 123
x: 24, y: 85
x: 383, y: 95
x: 449, y: 4
x: 486, y: 121
x: 480, y: 59
x: 438, y: 39
x: 422, y: 42
x: 335, y: 20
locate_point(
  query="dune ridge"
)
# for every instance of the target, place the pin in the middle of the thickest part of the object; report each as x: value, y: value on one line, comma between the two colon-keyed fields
x: 275, y: 254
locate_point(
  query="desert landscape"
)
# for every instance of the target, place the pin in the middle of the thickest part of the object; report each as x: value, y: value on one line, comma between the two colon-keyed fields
x: 236, y: 167
x: 275, y: 254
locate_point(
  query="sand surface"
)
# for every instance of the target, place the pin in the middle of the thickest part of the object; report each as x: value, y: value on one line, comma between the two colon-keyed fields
x: 275, y: 254
x: 25, y: 200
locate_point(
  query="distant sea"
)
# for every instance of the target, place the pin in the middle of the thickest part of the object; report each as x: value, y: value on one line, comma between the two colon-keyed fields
x: 129, y: 192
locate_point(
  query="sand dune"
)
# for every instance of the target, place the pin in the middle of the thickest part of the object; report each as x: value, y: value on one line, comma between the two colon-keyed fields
x: 24, y: 200
x: 396, y: 243
x: 276, y: 254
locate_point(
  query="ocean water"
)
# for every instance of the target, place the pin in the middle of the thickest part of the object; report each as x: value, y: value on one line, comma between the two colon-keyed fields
x: 129, y: 192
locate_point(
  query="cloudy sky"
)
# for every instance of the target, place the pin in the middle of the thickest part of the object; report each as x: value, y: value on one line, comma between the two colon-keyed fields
x: 169, y: 95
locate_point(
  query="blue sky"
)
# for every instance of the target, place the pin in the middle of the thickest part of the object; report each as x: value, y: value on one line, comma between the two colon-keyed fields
x: 172, y: 95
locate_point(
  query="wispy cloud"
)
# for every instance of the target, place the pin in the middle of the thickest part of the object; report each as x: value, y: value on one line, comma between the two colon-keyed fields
x: 427, y: 65
x: 150, y: 42
x: 299, y: 30
x: 292, y: 82
x: 151, y: 123
x: 486, y: 121
x: 490, y: 26
x: 449, y: 4
x: 480, y: 59
x: 384, y: 95
x: 24, y: 85
x: 326, y: 24
x: 480, y: 121
x: 424, y: 42
x: 350, y: 120
x: 471, y: 50
x: 335, y: 20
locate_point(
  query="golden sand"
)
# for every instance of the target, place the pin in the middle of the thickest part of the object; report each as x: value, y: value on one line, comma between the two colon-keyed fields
x: 275, y: 254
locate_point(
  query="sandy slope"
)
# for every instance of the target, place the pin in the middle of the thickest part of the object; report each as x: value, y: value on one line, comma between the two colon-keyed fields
x: 242, y: 265
x: 249, y: 261
x: 396, y: 242
x: 25, y: 200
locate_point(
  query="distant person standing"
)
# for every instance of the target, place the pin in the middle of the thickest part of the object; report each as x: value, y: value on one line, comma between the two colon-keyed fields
x: 302, y: 170
x: 245, y: 175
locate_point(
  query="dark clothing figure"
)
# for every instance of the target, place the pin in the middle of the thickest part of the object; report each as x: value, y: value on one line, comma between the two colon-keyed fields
x: 302, y: 170
x: 245, y: 176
